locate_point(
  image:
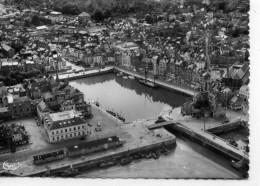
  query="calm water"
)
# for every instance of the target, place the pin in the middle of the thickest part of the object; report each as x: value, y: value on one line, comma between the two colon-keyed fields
x: 135, y: 101
x: 128, y: 97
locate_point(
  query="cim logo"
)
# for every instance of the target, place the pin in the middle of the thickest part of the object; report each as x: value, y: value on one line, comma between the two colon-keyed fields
x: 11, y: 166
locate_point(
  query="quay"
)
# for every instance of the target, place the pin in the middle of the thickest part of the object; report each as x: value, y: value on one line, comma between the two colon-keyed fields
x: 227, y: 127
x: 207, y: 139
x: 111, y: 69
x: 84, y: 74
x: 163, y: 84
x: 135, y: 136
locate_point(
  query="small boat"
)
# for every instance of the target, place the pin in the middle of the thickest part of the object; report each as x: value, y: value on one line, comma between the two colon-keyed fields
x: 120, y: 74
x: 148, y: 156
x: 126, y: 160
x: 107, y: 164
x: 137, y: 156
x: 125, y: 77
x: 111, y: 112
x: 120, y: 117
x: 70, y: 172
x: 159, y: 120
x: 156, y: 155
x: 240, y: 165
x: 148, y: 83
x: 131, y: 77
x: 232, y: 141
x: 165, y: 151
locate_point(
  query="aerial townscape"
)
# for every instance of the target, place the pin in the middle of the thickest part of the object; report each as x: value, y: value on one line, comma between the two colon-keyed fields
x: 124, y: 88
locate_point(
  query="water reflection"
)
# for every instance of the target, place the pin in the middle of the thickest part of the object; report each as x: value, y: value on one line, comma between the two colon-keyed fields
x: 134, y: 101
x: 128, y: 97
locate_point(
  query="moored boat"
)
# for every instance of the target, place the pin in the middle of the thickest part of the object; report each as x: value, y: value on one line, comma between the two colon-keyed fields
x: 240, y: 165
x: 120, y: 117
x: 148, y: 156
x: 126, y: 160
x: 137, y: 156
x: 70, y: 172
x: 131, y: 77
x: 107, y: 164
x: 111, y: 113
x: 156, y: 155
x: 148, y: 83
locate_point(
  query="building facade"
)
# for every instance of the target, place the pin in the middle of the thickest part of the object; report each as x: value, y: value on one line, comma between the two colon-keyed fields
x: 64, y: 126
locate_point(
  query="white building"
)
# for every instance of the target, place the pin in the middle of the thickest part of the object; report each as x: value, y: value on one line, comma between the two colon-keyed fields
x: 64, y: 125
x: 244, y: 92
x: 42, y: 110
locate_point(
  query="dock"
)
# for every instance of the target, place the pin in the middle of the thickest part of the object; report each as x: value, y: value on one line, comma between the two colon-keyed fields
x: 160, y: 83
x: 206, y: 139
x: 136, y: 138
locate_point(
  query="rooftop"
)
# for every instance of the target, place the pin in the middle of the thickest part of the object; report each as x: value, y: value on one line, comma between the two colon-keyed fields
x: 64, y: 115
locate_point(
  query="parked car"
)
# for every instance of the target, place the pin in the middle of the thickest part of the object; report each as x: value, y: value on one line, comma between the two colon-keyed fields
x: 226, y: 121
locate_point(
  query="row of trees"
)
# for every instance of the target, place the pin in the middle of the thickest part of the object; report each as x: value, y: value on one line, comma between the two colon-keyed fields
x: 17, y: 77
x: 36, y: 21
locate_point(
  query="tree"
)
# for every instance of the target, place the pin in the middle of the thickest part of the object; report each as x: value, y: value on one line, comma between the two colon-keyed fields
x: 107, y: 14
x: 70, y: 8
x: 149, y: 19
x: 36, y: 20
x: 27, y: 23
x: 98, y: 16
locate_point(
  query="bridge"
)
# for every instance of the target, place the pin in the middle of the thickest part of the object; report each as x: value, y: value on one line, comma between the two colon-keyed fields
x: 162, y: 124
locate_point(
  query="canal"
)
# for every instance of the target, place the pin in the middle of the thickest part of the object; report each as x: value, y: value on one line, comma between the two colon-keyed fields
x: 135, y: 101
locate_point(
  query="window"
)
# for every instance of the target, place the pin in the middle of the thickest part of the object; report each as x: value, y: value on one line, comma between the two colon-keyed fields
x: 61, y: 131
x: 66, y: 136
x: 61, y: 137
x: 70, y: 129
x: 53, y: 139
x: 79, y: 127
x: 57, y: 132
x: 79, y: 133
x: 70, y: 135
x: 58, y: 138
x: 52, y: 133
x: 82, y: 127
x: 65, y: 130
x: 74, y: 128
x: 75, y: 134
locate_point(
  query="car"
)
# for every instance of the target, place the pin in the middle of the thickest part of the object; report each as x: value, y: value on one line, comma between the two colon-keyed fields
x: 226, y: 121
x: 98, y: 124
x: 89, y: 124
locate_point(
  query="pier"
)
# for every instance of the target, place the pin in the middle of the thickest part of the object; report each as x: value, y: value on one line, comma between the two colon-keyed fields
x: 207, y: 139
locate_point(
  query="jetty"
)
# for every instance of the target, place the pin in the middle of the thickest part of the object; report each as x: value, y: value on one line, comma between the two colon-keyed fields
x: 205, y: 138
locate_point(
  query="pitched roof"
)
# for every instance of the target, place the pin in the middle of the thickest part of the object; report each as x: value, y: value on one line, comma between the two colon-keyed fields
x: 43, y: 107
